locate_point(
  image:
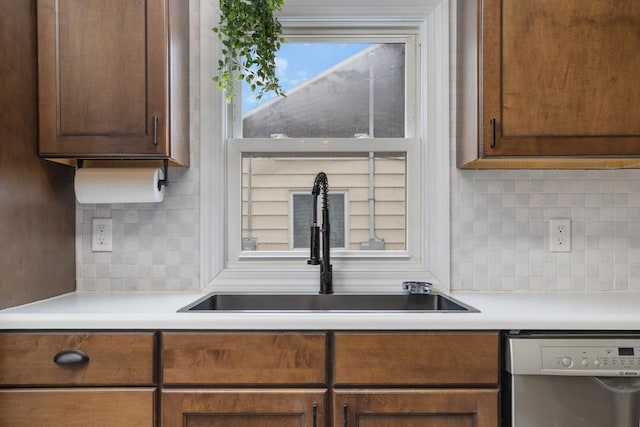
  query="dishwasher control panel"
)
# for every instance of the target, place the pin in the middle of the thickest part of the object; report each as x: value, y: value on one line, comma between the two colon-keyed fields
x: 623, y: 360
x: 602, y: 356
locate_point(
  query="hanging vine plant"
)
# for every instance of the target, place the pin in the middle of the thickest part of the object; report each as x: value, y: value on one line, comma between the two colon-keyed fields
x: 250, y: 35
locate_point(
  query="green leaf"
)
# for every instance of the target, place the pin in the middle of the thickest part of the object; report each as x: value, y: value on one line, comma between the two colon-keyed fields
x: 251, y: 36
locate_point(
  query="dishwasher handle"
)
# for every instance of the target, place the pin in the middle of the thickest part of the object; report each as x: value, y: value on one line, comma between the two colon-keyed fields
x: 618, y: 385
x: 624, y: 396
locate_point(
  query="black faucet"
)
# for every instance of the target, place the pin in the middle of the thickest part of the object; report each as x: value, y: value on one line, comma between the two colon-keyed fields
x: 326, y: 270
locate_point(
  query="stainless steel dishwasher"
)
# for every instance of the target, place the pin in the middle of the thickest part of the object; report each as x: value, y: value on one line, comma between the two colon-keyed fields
x: 573, y: 380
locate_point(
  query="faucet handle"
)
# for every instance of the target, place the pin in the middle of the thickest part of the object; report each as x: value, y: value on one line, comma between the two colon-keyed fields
x: 314, y: 246
x: 417, y: 288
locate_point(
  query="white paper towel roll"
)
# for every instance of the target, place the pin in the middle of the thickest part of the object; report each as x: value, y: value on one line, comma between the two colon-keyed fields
x: 119, y: 185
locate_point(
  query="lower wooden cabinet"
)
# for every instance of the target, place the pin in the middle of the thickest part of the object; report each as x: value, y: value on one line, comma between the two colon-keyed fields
x: 77, y: 407
x: 243, y: 408
x: 416, y: 359
x: 350, y: 407
x: 80, y: 358
x: 416, y: 408
x: 227, y: 359
x: 77, y: 378
x: 227, y: 367
x: 416, y: 379
x: 330, y: 379
x: 250, y: 379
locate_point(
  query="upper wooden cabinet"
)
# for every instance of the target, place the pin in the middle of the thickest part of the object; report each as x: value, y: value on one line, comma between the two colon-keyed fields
x: 113, y: 79
x: 551, y: 84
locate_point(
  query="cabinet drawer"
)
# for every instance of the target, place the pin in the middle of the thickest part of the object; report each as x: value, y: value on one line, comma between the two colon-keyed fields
x: 434, y: 358
x: 114, y: 359
x: 77, y: 407
x: 244, y: 358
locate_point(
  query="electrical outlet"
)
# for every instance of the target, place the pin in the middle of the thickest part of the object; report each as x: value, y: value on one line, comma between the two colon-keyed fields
x: 102, y: 235
x: 560, y: 235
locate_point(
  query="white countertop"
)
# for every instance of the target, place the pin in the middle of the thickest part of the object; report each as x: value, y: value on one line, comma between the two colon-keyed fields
x: 498, y: 310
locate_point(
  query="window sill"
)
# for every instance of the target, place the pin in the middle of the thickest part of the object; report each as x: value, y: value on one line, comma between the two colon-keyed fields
x: 336, y: 255
x: 306, y: 279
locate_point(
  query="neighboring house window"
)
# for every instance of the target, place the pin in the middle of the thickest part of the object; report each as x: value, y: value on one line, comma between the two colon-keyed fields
x: 300, y: 219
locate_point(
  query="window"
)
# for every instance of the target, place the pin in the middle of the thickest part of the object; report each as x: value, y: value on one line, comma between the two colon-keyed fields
x: 339, y: 92
x: 300, y: 216
x: 335, y: 88
x: 369, y: 118
x: 374, y: 216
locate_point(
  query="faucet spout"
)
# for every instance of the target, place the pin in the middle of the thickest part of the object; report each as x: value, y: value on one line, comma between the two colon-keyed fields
x: 320, y: 235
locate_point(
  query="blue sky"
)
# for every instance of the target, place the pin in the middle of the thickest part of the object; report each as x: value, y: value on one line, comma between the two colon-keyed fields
x: 298, y: 62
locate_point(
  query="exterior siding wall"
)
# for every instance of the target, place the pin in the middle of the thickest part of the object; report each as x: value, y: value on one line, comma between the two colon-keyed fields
x: 274, y: 179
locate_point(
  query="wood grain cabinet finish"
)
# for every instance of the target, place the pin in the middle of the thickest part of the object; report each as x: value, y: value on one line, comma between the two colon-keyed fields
x: 416, y: 359
x: 113, y: 79
x: 279, y: 379
x: 78, y: 407
x: 107, y: 379
x: 114, y: 359
x: 242, y: 408
x: 253, y: 358
x: 558, y: 83
x: 416, y: 408
x: 281, y: 363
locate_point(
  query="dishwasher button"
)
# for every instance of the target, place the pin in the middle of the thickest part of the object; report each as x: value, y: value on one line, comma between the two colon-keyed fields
x: 566, y: 362
x: 596, y: 362
x: 585, y: 362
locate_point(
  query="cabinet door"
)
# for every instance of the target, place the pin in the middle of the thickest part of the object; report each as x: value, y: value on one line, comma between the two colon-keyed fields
x: 416, y: 408
x: 103, y: 77
x: 106, y: 407
x: 243, y: 408
x: 560, y: 78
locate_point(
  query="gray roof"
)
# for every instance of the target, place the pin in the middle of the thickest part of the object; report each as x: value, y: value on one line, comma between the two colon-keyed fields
x: 336, y: 102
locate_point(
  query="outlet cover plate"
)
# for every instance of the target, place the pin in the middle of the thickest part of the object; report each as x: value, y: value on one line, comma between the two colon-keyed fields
x: 560, y: 235
x: 102, y: 235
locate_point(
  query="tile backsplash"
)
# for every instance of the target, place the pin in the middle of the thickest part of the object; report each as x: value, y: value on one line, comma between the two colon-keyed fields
x: 499, y: 227
x: 500, y: 230
x: 156, y: 246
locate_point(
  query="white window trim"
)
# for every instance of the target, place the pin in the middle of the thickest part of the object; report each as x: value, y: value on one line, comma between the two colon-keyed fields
x: 218, y: 274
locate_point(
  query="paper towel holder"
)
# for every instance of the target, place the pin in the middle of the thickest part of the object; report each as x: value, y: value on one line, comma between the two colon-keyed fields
x: 164, y: 181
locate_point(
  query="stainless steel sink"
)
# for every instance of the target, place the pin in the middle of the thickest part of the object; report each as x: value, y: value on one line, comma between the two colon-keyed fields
x: 433, y: 302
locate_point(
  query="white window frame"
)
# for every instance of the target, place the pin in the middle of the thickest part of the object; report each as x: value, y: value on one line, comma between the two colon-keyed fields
x: 345, y: 197
x: 223, y: 267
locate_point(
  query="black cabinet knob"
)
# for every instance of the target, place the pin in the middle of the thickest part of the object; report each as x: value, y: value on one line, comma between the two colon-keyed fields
x: 71, y: 357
